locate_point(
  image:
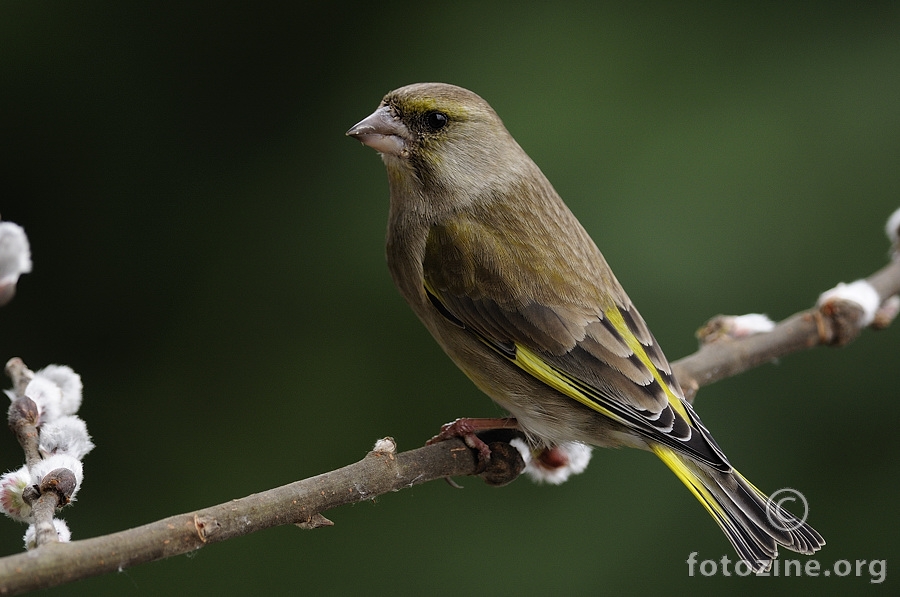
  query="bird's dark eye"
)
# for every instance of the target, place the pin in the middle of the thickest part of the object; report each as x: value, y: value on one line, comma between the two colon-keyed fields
x: 436, y: 120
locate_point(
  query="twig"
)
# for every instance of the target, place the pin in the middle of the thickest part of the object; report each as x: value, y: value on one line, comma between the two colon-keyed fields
x: 833, y: 324
x: 43, y: 508
x: 19, y: 374
x: 23, y: 421
x: 300, y: 503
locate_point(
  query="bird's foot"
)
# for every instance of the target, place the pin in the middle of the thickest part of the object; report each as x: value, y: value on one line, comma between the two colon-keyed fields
x: 467, y: 430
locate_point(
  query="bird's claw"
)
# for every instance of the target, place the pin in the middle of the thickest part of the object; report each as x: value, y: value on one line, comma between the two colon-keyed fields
x: 467, y: 429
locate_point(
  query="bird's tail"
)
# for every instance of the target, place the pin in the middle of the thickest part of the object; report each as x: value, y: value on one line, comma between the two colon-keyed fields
x: 754, y: 524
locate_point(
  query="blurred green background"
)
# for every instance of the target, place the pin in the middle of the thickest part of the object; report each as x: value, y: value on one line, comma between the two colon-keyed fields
x: 208, y: 256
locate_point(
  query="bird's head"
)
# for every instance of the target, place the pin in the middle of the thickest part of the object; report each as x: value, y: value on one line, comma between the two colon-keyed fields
x: 442, y: 138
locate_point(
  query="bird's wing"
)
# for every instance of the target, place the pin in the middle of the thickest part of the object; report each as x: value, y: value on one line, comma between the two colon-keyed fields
x: 545, y: 311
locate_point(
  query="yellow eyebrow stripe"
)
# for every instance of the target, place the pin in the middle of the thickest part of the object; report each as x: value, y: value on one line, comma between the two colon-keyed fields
x: 614, y: 316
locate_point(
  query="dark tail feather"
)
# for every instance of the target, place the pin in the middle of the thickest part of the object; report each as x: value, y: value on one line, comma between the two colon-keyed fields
x: 754, y: 524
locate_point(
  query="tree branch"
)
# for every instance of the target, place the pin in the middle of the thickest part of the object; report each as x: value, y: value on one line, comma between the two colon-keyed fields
x: 381, y: 471
x: 835, y: 322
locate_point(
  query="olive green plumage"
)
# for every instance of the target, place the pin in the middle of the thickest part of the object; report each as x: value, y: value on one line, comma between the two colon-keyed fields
x: 515, y: 291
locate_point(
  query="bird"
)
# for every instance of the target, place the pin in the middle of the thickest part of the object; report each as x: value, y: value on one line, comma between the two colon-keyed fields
x: 516, y: 292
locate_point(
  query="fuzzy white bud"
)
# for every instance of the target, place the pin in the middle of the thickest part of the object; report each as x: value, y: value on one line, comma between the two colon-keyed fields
x: 45, y: 466
x: 892, y: 228
x: 69, y: 384
x: 750, y: 324
x: 56, y: 390
x: 47, y: 396
x: 66, y: 435
x: 385, y: 445
x: 15, y: 258
x: 566, y: 459
x: 62, y: 531
x: 11, y: 487
x: 860, y: 292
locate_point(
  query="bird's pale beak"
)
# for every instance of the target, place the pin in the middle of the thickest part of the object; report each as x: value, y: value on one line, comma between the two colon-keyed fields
x: 381, y: 131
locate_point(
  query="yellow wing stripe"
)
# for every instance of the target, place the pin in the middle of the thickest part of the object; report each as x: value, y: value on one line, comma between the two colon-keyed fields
x: 614, y: 316
x: 535, y: 366
x: 539, y: 369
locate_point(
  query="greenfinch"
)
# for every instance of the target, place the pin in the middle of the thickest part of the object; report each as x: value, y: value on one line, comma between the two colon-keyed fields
x: 518, y: 295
